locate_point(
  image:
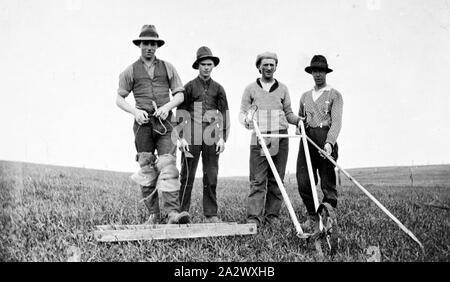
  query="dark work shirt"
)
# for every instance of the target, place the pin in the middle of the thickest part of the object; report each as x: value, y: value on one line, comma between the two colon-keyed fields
x: 206, y: 102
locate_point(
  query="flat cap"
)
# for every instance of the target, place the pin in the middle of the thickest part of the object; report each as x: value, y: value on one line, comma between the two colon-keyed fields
x: 266, y: 55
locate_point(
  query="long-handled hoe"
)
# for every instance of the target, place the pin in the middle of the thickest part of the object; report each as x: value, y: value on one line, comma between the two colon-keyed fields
x: 292, y: 214
x: 327, y: 220
x: 324, y: 230
x: 391, y: 216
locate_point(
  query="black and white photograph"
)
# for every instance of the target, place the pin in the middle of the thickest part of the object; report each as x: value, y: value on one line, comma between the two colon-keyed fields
x: 225, y: 137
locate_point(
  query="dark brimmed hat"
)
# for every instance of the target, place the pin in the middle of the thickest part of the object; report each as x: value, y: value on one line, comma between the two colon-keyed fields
x: 318, y: 62
x: 204, y: 53
x: 266, y: 55
x: 148, y: 33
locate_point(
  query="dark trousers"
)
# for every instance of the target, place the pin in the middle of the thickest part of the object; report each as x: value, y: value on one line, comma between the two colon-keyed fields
x: 147, y: 140
x: 265, y: 198
x: 319, y: 164
x: 210, y: 163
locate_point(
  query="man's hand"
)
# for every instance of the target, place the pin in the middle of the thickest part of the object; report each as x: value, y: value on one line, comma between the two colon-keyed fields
x: 220, y: 146
x: 328, y: 148
x: 184, y: 146
x: 249, y: 125
x: 141, y: 116
x: 248, y: 122
x: 302, y: 119
x: 297, y: 129
x: 162, y: 112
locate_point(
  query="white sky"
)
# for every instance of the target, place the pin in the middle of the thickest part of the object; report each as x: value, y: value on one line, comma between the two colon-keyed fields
x: 60, y: 62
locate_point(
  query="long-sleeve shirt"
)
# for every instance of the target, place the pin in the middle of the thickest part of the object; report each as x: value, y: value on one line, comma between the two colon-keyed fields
x: 206, y: 102
x: 274, y: 106
x: 326, y: 110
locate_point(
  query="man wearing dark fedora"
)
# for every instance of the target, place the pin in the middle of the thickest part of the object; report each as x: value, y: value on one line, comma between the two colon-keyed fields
x: 322, y: 109
x: 268, y: 101
x: 152, y: 80
x: 205, y: 130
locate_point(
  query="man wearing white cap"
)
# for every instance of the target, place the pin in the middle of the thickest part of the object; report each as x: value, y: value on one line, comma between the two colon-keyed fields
x: 270, y: 102
x: 152, y: 80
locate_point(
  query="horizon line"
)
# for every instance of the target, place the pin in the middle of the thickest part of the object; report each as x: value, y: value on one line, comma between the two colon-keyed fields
x: 245, y: 175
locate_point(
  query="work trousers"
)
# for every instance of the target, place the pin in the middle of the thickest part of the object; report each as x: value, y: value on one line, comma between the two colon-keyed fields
x: 210, y: 164
x: 148, y: 140
x: 320, y: 165
x: 265, y: 198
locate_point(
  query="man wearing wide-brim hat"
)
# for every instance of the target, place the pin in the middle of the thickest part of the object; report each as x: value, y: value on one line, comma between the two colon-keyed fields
x: 322, y: 108
x: 268, y: 101
x: 152, y: 80
x: 205, y: 120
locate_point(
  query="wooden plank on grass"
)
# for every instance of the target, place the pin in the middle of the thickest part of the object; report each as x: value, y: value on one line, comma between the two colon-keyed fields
x: 174, y: 231
x: 151, y: 226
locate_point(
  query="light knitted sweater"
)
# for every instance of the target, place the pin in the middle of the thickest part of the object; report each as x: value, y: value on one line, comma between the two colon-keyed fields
x: 274, y: 107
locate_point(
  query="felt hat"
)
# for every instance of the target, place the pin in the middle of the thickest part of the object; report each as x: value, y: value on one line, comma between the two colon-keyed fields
x: 148, y: 33
x: 318, y: 62
x: 202, y: 54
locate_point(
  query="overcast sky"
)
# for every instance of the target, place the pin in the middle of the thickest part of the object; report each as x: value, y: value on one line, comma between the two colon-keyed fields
x: 60, y: 63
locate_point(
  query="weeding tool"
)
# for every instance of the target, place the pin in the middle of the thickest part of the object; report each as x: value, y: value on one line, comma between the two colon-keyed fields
x: 298, y: 228
x: 406, y: 230
x: 310, y: 173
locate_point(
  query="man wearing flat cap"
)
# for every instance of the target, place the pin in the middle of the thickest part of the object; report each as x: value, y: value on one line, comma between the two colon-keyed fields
x: 322, y: 108
x: 152, y: 80
x: 205, y: 131
x: 269, y: 102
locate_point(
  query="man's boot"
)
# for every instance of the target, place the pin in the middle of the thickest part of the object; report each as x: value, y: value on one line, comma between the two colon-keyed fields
x: 178, y: 218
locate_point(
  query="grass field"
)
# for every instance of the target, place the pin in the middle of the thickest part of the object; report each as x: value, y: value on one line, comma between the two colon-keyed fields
x: 49, y: 211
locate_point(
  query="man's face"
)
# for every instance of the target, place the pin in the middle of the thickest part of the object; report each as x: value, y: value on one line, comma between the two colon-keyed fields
x: 319, y: 77
x: 267, y: 68
x: 148, y: 49
x: 205, y: 68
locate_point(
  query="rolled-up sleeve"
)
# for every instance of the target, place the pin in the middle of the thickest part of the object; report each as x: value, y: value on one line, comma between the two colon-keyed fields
x: 175, y: 83
x: 125, y: 82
